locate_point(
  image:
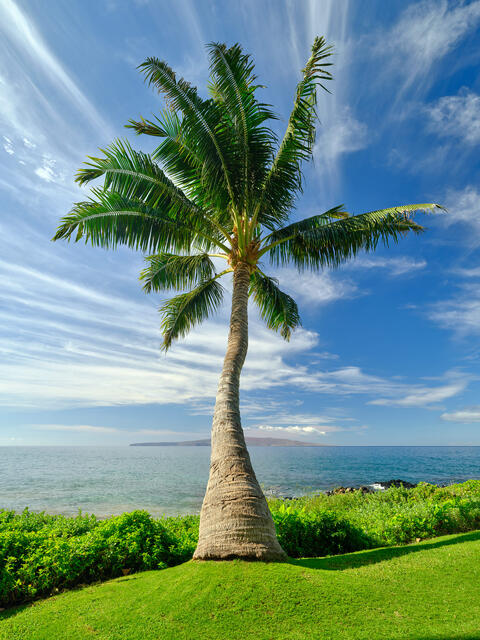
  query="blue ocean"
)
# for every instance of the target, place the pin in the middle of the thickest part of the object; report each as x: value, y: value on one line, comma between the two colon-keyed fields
x: 172, y: 480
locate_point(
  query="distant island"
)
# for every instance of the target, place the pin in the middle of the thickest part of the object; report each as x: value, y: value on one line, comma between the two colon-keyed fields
x: 253, y: 442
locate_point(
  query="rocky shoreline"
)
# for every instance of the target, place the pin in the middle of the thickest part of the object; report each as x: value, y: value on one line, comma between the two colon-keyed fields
x: 372, y: 488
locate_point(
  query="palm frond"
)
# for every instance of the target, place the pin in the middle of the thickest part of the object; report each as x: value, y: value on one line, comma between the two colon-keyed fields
x: 284, y: 179
x: 182, y: 159
x: 109, y: 219
x: 182, y: 312
x: 278, y: 309
x: 134, y: 174
x: 181, y: 156
x: 334, y: 243
x: 170, y: 271
x: 201, y: 117
x: 232, y: 85
x: 307, y: 224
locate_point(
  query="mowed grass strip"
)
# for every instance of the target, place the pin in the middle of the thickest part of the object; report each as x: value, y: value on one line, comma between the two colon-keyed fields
x: 425, y: 591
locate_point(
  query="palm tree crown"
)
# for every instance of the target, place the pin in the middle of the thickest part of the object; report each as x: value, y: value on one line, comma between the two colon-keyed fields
x: 221, y: 184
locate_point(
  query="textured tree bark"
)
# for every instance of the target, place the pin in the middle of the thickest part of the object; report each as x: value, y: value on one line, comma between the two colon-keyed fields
x: 235, y: 521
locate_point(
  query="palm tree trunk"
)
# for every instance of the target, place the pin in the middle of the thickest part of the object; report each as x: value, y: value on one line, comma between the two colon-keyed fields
x: 235, y: 521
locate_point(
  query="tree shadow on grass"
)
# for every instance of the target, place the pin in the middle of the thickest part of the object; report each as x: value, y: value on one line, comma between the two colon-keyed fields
x: 12, y: 611
x: 363, y: 558
x: 15, y: 609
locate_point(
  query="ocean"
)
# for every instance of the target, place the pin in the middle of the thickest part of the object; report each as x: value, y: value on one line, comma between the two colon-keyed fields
x: 172, y: 480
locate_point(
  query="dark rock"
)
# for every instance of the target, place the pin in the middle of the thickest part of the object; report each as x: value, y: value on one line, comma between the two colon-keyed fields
x: 397, y: 483
x: 339, y: 490
x: 365, y: 489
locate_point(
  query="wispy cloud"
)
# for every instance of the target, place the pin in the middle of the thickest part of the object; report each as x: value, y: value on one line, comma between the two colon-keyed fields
x: 467, y: 273
x: 8, y: 146
x: 464, y: 209
x: 424, y: 34
x: 77, y: 428
x: 343, y: 134
x: 398, y: 266
x: 423, y: 396
x: 456, y: 117
x: 23, y: 33
x: 97, y: 348
x: 468, y: 415
x: 316, y: 288
x: 296, y: 429
x: 460, y: 313
x: 47, y: 170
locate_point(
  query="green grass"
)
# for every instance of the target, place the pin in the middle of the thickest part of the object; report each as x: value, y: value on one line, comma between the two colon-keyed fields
x: 425, y: 591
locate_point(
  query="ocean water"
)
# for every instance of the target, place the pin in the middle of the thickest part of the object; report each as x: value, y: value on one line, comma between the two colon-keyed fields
x: 172, y: 480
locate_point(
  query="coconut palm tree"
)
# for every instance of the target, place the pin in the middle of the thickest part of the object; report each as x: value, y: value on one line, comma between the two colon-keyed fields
x: 222, y: 185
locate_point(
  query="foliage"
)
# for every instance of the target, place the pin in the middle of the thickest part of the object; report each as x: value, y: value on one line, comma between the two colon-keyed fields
x: 424, y: 591
x: 41, y: 554
x: 304, y: 533
x: 398, y: 515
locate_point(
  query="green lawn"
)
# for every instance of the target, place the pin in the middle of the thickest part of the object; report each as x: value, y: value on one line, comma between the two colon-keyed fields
x: 425, y: 591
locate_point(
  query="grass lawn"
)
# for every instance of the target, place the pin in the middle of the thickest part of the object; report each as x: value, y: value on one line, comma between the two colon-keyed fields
x: 425, y: 591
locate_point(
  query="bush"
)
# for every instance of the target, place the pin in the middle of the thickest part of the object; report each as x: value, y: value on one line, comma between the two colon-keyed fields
x: 316, y: 533
x: 41, y: 554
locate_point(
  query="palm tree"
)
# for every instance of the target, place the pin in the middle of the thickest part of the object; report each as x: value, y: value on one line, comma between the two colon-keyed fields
x: 222, y: 185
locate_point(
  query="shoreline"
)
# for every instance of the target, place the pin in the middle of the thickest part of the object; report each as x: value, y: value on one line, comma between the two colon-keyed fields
x: 161, y: 512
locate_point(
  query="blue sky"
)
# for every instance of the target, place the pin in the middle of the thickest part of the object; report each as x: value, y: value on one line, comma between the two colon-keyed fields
x: 389, y: 351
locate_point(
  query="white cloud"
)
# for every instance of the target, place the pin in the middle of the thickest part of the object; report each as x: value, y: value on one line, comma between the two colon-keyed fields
x: 457, y: 116
x: 46, y: 170
x: 29, y: 144
x: 461, y: 313
x: 315, y: 288
x: 425, y: 396
x: 425, y: 33
x: 8, y: 146
x: 80, y: 428
x: 293, y: 429
x: 395, y: 266
x: 468, y: 273
x: 343, y: 134
x: 468, y: 415
x: 464, y: 208
x: 23, y: 33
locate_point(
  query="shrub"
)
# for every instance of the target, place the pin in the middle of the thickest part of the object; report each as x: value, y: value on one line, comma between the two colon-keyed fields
x: 316, y: 533
x: 41, y: 554
x: 62, y: 552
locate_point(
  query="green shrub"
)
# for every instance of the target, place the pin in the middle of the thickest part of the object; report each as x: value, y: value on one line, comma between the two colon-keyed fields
x: 316, y: 533
x: 41, y: 554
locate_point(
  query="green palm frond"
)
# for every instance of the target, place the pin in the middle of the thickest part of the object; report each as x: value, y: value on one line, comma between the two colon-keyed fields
x: 109, y: 220
x: 307, y: 224
x: 185, y: 161
x: 233, y: 87
x: 147, y: 127
x: 182, y: 159
x: 201, y: 117
x: 134, y: 174
x: 182, y: 312
x: 277, y: 309
x: 284, y: 179
x: 334, y: 243
x: 170, y: 271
